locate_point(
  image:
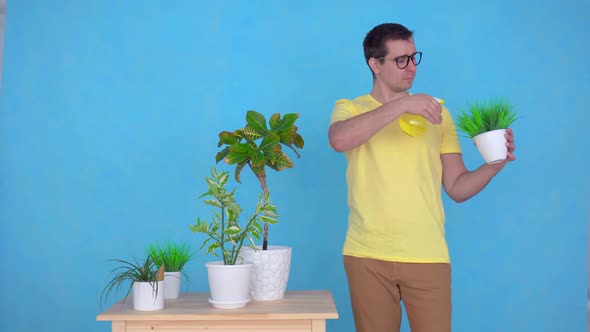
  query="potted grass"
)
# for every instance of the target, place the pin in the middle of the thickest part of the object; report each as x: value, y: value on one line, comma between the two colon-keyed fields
x: 257, y: 146
x: 173, y: 256
x: 486, y: 123
x: 229, y: 278
x: 144, y: 277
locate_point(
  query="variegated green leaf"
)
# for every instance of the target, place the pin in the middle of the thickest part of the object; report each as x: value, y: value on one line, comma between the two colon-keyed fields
x: 259, y: 171
x: 286, y: 122
x: 274, y: 121
x: 221, y: 154
x: 258, y: 160
x: 213, y: 187
x: 216, y: 217
x: 236, y: 158
x: 288, y: 135
x: 256, y: 121
x: 268, y: 143
x: 268, y: 220
x: 212, y: 248
x: 212, y: 202
x: 299, y: 141
x: 242, y: 148
x: 223, y: 179
x: 204, y: 243
x: 256, y: 234
x: 283, y: 161
x: 225, y: 137
x: 196, y: 228
x: 250, y: 134
x: 239, y: 168
x: 257, y: 226
x: 270, y: 156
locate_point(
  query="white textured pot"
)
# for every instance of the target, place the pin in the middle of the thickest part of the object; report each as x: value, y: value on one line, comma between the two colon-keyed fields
x: 492, y: 146
x: 171, y: 285
x: 229, y: 284
x: 271, y: 272
x: 148, y: 296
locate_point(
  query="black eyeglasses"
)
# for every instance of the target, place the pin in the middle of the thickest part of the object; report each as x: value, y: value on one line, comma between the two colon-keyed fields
x: 404, y: 60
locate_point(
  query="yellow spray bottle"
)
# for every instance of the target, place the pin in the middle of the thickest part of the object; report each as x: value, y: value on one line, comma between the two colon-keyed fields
x: 414, y: 125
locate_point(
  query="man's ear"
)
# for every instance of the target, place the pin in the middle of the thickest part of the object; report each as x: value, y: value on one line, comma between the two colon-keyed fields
x: 375, y: 65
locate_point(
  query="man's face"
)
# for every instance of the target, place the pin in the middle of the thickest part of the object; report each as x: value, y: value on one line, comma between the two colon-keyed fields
x: 398, y: 80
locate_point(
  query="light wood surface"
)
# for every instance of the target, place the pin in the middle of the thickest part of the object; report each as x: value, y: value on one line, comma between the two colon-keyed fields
x: 298, y: 311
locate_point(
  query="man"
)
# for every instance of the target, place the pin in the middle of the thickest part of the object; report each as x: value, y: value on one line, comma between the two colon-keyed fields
x: 395, y: 248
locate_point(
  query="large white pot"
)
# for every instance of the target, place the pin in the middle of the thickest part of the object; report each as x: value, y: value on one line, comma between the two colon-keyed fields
x: 492, y: 145
x: 229, y: 284
x: 148, y: 296
x: 171, y: 285
x: 271, y: 272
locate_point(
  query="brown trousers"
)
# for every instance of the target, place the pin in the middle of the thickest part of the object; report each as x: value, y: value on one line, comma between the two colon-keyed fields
x: 377, y: 287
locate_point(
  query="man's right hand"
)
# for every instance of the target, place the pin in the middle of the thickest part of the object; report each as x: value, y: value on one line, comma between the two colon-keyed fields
x: 421, y: 104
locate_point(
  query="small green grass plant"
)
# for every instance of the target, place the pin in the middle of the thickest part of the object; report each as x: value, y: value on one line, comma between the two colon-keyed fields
x: 130, y: 272
x: 484, y: 116
x: 172, y: 255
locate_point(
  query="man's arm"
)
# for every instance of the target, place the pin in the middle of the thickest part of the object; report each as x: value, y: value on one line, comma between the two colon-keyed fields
x: 351, y: 133
x: 348, y: 134
x: 461, y: 184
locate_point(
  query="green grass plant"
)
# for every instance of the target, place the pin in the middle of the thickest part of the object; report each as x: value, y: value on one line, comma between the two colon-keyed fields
x: 172, y: 255
x: 484, y: 116
x: 130, y: 272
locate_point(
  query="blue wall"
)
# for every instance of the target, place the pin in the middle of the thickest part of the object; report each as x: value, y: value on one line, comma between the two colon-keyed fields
x: 109, y: 122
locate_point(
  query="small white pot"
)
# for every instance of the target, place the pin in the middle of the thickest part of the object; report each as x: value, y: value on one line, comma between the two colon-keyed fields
x: 229, y: 284
x: 271, y: 272
x: 171, y: 285
x: 492, y: 146
x: 148, y: 296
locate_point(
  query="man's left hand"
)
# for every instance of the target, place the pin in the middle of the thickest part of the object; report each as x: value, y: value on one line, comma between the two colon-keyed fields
x: 510, y: 145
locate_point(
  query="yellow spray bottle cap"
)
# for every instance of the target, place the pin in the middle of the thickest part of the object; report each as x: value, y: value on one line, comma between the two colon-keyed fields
x: 415, y: 125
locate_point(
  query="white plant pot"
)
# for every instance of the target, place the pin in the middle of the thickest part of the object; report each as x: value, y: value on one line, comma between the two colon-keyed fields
x: 492, y: 146
x: 271, y: 272
x: 171, y: 285
x: 229, y: 284
x: 148, y: 296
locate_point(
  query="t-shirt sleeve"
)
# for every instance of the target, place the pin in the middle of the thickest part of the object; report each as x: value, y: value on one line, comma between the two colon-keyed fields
x: 344, y: 109
x: 450, y: 139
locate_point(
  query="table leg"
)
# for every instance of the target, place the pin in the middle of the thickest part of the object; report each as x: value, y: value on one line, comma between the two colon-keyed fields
x: 119, y: 326
x: 318, y: 325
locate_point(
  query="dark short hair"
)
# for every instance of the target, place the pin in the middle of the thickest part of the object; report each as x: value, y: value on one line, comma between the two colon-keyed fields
x: 374, y: 43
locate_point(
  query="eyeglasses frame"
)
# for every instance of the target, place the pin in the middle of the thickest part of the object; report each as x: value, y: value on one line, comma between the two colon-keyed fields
x: 412, y: 57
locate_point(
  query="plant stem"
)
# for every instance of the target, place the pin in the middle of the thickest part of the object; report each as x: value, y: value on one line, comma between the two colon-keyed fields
x: 262, y: 180
x: 243, y: 235
x: 222, y: 230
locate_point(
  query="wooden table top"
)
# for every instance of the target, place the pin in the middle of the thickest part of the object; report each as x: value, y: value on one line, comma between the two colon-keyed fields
x: 195, y: 306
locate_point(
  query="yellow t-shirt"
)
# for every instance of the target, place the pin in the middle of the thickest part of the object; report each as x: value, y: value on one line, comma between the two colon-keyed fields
x: 394, y: 189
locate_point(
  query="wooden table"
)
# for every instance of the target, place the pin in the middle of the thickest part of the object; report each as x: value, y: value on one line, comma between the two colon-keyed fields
x: 299, y: 311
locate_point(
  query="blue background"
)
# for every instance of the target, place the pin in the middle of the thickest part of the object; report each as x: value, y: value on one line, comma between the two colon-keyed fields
x: 109, y: 122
